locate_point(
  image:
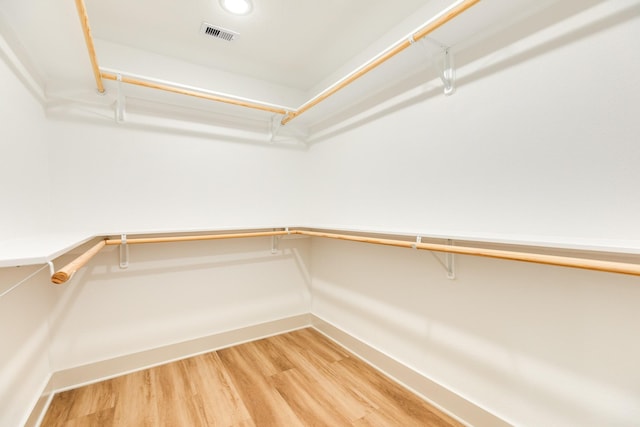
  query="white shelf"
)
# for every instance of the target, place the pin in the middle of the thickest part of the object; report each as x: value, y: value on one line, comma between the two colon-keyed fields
x: 614, y: 246
x: 38, y: 249
x: 41, y: 249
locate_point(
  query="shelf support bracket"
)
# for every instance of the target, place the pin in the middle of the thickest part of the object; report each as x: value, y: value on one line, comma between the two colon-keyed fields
x: 449, y: 262
x: 450, y: 259
x: 120, y: 101
x: 447, y: 73
x: 274, y: 244
x: 124, y: 252
x: 276, y: 124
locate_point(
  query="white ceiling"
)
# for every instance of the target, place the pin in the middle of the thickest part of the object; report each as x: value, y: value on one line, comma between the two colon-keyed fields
x: 287, y: 52
x: 293, y: 43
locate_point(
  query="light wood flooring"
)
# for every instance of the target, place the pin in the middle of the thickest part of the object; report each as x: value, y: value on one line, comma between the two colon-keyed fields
x: 295, y: 379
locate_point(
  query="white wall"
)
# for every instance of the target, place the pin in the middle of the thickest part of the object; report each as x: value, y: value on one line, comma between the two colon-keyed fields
x: 176, y: 292
x: 542, y: 144
x: 24, y: 353
x: 74, y: 174
x: 540, y: 140
x: 533, y: 345
x: 24, y: 209
x: 24, y: 152
x: 110, y: 178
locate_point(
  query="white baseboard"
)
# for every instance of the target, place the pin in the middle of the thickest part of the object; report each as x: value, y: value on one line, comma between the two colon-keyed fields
x: 439, y: 396
x: 103, y: 370
x: 449, y: 402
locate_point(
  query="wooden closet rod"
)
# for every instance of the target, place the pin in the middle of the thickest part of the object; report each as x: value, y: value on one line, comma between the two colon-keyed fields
x: 68, y: 270
x: 197, y: 94
x: 563, y: 261
x: 194, y: 238
x: 84, y: 21
x: 431, y: 26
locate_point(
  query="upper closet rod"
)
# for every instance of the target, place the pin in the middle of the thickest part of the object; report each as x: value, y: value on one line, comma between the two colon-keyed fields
x: 67, y: 271
x: 438, y: 21
x: 562, y: 261
x: 194, y: 238
x: 435, y: 23
x: 194, y: 93
x: 84, y: 21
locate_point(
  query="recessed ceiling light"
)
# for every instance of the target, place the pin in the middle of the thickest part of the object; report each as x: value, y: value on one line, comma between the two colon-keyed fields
x: 237, y: 7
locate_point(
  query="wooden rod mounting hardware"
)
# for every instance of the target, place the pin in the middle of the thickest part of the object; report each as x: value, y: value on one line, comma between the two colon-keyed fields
x: 67, y: 271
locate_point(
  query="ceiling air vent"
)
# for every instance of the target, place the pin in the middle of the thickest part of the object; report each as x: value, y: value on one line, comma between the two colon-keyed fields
x: 218, y: 32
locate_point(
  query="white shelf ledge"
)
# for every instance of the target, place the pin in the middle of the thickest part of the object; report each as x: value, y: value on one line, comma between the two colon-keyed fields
x: 613, y: 246
x: 39, y: 249
x: 33, y: 250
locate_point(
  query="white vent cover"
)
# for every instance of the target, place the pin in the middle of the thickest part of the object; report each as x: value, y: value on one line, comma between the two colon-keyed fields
x: 218, y: 32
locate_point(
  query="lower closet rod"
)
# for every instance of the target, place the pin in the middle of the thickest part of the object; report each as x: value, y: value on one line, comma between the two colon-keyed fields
x: 562, y: 261
x: 67, y: 271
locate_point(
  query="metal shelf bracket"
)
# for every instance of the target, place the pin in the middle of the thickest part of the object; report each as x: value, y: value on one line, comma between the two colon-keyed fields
x: 447, y: 73
x: 274, y: 244
x: 276, y: 124
x: 124, y: 252
x: 449, y: 262
x: 120, y: 101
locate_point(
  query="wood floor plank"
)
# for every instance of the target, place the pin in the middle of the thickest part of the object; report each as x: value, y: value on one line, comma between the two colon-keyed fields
x: 315, y: 371
x: 314, y: 341
x: 390, y: 397
x: 223, y: 405
x: 296, y: 379
x: 103, y: 418
x: 311, y: 405
x: 81, y: 402
x: 277, y: 356
x: 179, y: 398
x: 379, y: 418
x: 136, y: 400
x: 265, y: 405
